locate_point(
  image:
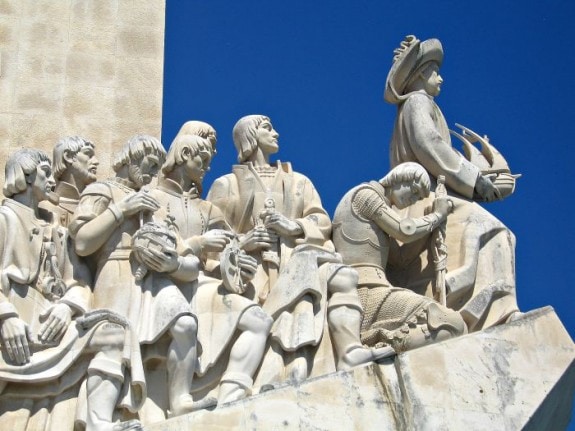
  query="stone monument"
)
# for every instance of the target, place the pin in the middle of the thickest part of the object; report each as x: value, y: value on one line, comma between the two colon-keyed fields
x: 127, y: 302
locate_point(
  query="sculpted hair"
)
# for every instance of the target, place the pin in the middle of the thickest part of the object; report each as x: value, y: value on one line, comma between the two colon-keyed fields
x: 194, y: 143
x: 72, y: 144
x: 22, y: 163
x: 244, y: 134
x: 408, y: 172
x: 199, y: 128
x: 137, y: 147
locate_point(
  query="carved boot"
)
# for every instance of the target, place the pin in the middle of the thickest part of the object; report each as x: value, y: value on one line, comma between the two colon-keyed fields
x: 344, y: 324
x: 103, y: 394
x: 233, y: 387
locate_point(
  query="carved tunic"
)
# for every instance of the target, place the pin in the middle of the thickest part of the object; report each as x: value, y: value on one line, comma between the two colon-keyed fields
x: 217, y: 310
x: 69, y: 197
x: 151, y: 306
x: 297, y: 322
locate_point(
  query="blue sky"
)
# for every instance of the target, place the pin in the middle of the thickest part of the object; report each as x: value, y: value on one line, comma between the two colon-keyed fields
x: 318, y: 70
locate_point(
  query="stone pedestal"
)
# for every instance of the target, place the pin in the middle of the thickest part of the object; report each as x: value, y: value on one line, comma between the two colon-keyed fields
x: 516, y: 376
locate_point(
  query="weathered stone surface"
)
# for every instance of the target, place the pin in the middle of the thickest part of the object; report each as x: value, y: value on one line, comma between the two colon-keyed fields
x: 71, y: 68
x: 519, y: 375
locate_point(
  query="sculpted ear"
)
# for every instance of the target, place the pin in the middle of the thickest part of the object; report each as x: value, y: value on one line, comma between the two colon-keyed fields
x: 185, y: 154
x: 68, y: 156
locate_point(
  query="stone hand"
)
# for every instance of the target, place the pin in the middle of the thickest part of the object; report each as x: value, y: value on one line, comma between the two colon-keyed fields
x: 258, y: 239
x: 58, y: 317
x: 160, y: 261
x: 15, y: 335
x: 443, y: 206
x: 136, y: 202
x: 215, y: 240
x: 248, y: 266
x: 282, y: 225
x: 486, y: 189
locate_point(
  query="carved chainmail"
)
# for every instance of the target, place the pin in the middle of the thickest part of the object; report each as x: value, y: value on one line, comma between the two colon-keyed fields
x: 389, y: 322
x: 367, y: 201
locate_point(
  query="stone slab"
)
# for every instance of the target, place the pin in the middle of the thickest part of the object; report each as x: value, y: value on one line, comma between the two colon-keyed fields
x: 516, y: 376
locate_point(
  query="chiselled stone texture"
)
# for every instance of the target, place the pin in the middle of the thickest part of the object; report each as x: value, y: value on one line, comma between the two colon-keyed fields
x: 92, y: 68
x: 515, y: 376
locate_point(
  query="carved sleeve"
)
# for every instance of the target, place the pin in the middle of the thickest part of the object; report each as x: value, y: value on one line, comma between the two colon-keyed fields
x: 314, y: 220
x: 6, y: 308
x: 94, y: 221
x: 428, y: 138
x: 223, y: 194
x: 369, y: 204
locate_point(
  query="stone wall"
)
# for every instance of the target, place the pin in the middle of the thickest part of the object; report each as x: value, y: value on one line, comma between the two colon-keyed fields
x: 92, y: 68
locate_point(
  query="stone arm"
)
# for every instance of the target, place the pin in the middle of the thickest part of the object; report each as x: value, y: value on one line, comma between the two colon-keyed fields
x: 78, y: 279
x: 94, y: 221
x: 224, y: 194
x: 315, y: 222
x: 217, y: 234
x: 370, y: 205
x: 429, y: 140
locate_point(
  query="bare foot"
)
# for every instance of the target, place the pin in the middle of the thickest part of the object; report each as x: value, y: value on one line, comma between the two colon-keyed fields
x: 362, y: 355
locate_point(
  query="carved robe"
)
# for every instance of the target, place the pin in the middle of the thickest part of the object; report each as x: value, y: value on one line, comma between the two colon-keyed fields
x: 217, y: 310
x: 69, y: 197
x: 299, y: 308
x: 480, y: 248
x: 50, y: 381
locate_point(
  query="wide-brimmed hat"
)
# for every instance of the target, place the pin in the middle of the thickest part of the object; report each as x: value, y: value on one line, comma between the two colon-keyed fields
x: 409, y: 59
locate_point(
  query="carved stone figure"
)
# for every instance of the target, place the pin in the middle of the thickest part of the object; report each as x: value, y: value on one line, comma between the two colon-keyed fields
x: 232, y: 329
x: 75, y: 166
x: 45, y: 293
x: 480, y: 249
x: 108, y: 215
x: 300, y: 281
x: 363, y: 223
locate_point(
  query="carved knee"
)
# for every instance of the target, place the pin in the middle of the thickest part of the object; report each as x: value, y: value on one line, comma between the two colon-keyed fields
x: 185, y: 326
x: 256, y: 320
x: 344, y: 279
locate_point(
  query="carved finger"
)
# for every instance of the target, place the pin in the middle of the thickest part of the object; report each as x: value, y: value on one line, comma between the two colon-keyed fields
x: 19, y: 349
x: 11, y: 348
x: 25, y: 348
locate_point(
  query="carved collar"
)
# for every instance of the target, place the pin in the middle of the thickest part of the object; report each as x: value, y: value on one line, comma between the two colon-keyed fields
x: 67, y: 191
x: 170, y: 186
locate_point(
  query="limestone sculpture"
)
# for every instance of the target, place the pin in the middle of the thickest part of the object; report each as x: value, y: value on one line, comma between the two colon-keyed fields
x: 481, y: 278
x: 232, y: 329
x: 108, y: 214
x: 45, y: 293
x: 300, y: 281
x: 363, y: 223
x: 75, y: 166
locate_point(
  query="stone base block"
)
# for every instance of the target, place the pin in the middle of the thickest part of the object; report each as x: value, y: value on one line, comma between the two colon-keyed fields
x: 516, y: 376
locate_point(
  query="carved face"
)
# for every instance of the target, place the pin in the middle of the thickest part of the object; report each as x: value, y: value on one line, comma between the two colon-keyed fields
x: 432, y: 80
x: 85, y: 164
x: 42, y: 181
x: 142, y: 170
x: 198, y: 164
x: 267, y: 138
x: 405, y: 194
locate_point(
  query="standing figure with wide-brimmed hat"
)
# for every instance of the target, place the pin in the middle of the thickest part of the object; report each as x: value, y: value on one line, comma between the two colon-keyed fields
x: 480, y: 249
